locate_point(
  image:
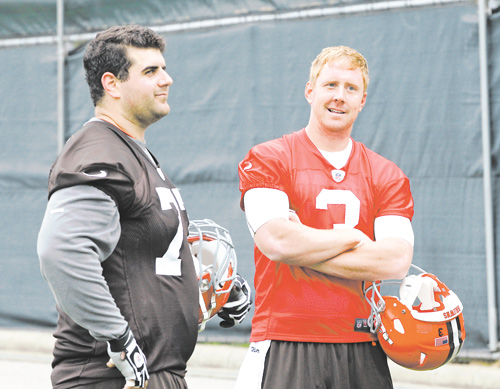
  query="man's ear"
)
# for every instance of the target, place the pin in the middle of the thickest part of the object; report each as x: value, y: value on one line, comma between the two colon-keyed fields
x: 308, y: 92
x: 363, y: 101
x: 110, y: 84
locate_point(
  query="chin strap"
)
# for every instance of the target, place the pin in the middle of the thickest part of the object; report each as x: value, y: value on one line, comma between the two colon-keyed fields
x: 204, y: 311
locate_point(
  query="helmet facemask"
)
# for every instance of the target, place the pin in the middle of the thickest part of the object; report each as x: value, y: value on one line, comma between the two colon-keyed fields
x: 215, y: 263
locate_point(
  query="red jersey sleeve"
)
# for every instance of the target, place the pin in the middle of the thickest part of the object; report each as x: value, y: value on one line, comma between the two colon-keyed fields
x: 392, y: 194
x: 265, y: 166
x: 395, y: 199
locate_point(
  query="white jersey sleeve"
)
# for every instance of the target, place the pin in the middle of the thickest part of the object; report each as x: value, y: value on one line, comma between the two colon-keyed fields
x: 264, y: 204
x: 394, y: 227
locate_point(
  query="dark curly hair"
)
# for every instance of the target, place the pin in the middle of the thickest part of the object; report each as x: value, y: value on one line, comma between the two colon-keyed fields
x: 107, y: 52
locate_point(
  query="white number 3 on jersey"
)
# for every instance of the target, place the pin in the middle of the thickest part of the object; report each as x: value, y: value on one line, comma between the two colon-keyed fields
x: 341, y: 197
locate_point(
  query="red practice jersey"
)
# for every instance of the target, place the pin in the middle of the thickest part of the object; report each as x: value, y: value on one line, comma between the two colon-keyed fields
x: 294, y: 303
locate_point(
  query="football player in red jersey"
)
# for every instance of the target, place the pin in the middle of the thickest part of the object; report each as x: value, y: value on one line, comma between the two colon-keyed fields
x: 113, y: 244
x: 326, y: 213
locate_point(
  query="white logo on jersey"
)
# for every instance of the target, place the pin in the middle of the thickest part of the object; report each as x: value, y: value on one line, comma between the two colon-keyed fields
x: 100, y: 174
x: 338, y: 175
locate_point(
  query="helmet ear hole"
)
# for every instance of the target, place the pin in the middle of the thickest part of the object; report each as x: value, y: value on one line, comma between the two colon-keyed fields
x: 423, y: 357
x: 398, y: 326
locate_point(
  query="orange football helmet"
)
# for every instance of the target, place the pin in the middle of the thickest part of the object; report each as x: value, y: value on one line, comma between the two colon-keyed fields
x: 418, y: 335
x: 215, y: 263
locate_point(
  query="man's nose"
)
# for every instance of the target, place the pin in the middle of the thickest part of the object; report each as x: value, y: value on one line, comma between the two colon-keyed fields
x: 338, y: 95
x: 165, y: 79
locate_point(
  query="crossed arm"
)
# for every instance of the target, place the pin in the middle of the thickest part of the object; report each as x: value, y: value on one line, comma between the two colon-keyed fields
x: 342, y: 253
x: 345, y: 253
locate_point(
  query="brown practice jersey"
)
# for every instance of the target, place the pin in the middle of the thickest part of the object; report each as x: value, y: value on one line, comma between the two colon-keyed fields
x: 150, y: 273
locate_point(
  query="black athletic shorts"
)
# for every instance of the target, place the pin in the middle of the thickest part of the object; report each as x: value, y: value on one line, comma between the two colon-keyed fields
x: 159, y: 380
x: 298, y: 365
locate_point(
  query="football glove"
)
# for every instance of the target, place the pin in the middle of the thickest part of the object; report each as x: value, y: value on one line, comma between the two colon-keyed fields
x: 127, y: 356
x: 238, y: 304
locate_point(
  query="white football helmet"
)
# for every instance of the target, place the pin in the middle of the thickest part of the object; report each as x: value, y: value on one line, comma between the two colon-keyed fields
x: 422, y: 329
x: 215, y: 263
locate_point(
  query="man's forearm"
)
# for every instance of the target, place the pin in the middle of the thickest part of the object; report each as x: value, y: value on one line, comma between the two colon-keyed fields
x: 387, y: 259
x: 296, y: 244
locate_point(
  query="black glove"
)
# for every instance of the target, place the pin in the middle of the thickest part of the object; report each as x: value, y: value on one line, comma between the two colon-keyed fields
x: 128, y: 357
x: 238, y: 304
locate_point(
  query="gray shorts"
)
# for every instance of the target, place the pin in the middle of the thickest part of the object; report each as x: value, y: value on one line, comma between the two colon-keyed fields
x: 297, y: 365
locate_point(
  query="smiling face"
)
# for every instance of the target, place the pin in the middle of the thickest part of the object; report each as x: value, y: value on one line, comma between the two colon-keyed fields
x: 143, y: 95
x: 336, y: 98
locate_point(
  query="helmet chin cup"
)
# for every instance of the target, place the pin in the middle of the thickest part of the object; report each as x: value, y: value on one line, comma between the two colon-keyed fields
x: 422, y: 328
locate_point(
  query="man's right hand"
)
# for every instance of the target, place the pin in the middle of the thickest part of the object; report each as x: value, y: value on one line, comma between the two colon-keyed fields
x: 126, y: 355
x: 238, y: 305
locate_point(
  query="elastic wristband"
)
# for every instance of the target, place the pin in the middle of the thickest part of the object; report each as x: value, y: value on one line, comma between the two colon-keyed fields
x: 120, y: 344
